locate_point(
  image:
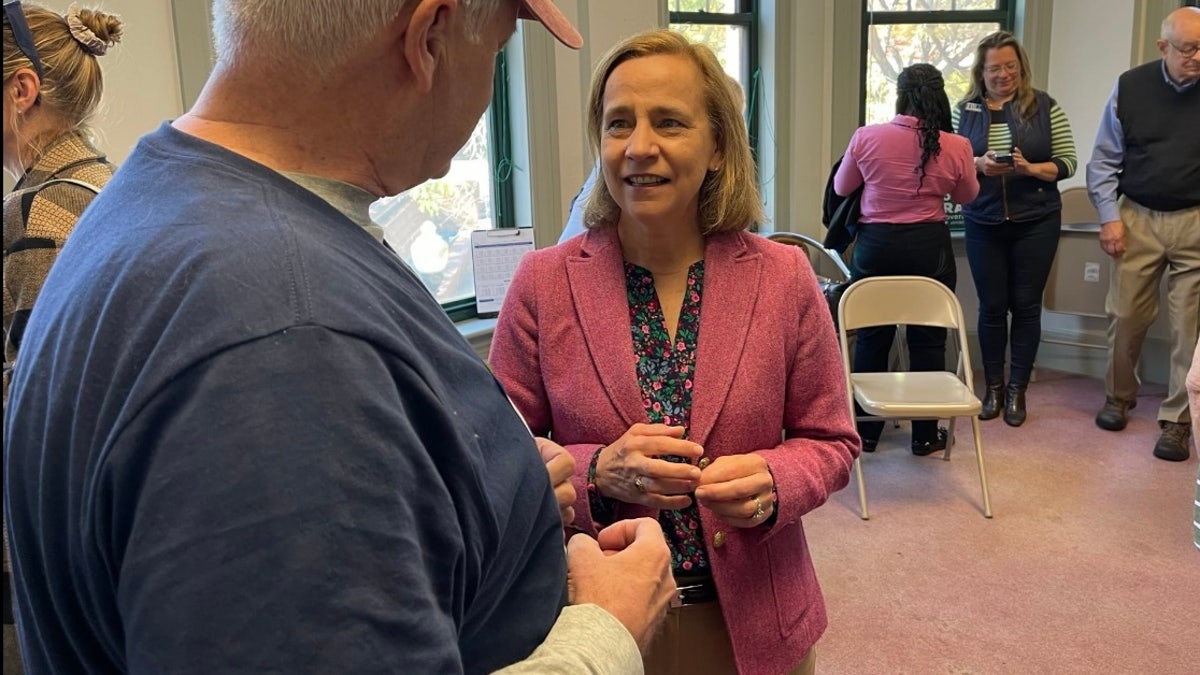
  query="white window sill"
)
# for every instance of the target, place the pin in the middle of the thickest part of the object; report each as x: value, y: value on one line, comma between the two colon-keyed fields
x: 473, y: 329
x: 479, y: 333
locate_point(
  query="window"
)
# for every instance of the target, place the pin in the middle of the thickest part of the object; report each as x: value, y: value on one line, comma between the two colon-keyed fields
x: 944, y: 33
x: 728, y: 27
x: 430, y: 225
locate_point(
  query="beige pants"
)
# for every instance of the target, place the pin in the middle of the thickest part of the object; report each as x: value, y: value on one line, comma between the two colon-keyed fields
x: 1157, y: 243
x: 694, y: 641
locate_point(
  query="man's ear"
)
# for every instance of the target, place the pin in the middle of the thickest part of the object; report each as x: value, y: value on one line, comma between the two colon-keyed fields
x: 1162, y: 47
x: 26, y: 87
x: 425, y: 39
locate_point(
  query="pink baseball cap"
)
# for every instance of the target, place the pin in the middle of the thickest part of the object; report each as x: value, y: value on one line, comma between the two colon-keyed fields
x: 545, y: 12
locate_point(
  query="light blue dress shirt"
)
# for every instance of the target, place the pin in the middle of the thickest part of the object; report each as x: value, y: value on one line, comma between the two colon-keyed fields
x: 574, y: 224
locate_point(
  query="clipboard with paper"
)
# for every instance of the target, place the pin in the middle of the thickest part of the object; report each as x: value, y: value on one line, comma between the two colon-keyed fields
x: 494, y: 258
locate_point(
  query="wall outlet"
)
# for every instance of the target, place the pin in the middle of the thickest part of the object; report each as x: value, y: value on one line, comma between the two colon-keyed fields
x: 1091, y: 272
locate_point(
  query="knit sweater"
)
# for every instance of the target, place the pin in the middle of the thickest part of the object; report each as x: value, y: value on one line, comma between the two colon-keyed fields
x: 38, y: 217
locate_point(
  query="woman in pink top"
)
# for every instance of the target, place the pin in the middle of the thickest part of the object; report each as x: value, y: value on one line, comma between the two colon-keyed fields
x: 908, y: 166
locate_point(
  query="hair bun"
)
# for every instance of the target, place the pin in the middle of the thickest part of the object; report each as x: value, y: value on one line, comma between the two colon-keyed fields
x: 96, y: 31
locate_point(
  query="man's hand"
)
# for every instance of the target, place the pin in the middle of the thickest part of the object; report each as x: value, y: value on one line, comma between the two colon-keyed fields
x: 561, y: 466
x: 1112, y: 238
x: 629, y: 470
x: 626, y: 570
x: 737, y: 489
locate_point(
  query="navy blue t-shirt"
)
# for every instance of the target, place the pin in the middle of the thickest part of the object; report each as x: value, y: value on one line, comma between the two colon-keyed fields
x: 242, y: 437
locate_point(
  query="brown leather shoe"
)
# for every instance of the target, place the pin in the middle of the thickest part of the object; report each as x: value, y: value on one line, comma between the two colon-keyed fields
x: 1172, y: 445
x: 1115, y: 414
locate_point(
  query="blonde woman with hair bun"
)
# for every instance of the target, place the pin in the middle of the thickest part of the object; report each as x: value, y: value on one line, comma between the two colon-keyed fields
x: 52, y: 85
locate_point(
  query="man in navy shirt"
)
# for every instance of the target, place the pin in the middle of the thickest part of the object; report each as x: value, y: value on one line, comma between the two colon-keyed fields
x: 242, y: 437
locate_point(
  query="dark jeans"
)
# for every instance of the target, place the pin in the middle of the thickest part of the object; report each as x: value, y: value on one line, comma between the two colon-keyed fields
x: 1010, y: 263
x: 921, y: 249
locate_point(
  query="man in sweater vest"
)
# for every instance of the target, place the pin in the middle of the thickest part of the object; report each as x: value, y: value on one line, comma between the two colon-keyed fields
x: 1144, y: 179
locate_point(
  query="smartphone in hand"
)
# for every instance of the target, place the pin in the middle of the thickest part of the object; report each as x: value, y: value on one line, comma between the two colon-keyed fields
x: 1003, y: 158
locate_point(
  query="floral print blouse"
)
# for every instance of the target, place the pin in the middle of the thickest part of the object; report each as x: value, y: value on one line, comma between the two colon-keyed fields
x: 664, y: 371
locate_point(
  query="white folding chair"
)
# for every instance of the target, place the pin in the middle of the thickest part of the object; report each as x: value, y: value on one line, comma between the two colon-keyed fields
x: 829, y: 264
x: 914, y: 301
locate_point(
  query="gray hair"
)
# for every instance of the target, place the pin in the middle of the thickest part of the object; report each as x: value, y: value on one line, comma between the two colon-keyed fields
x: 317, y: 35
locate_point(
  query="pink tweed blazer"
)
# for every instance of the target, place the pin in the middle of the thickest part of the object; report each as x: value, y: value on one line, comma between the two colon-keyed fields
x: 768, y: 380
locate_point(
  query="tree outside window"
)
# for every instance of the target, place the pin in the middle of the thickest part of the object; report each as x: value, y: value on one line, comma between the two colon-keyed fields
x: 943, y: 33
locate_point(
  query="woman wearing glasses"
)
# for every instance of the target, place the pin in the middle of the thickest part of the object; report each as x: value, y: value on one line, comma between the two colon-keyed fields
x: 1023, y: 146
x: 52, y: 85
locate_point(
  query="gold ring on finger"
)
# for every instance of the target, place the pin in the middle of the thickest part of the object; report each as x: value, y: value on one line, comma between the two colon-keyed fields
x: 759, y: 511
x: 640, y: 484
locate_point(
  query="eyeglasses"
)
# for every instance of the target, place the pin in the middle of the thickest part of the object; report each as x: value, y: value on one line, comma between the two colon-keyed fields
x: 1185, y: 52
x: 15, y: 17
x: 1012, y: 68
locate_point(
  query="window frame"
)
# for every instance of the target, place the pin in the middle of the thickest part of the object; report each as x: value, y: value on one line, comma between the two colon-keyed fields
x: 499, y: 123
x: 746, y: 18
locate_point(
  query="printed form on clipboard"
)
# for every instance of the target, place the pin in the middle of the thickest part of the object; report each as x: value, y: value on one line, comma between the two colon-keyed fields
x: 494, y: 256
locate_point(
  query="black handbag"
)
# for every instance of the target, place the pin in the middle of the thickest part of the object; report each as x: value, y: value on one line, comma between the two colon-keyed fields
x: 832, y: 290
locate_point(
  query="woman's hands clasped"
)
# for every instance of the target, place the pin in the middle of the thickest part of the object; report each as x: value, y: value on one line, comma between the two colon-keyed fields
x: 738, y: 489
x: 629, y: 469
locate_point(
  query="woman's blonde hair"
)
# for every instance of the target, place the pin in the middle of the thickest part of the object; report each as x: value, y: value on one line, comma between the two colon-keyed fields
x: 72, y: 84
x: 1024, y: 100
x: 729, y: 197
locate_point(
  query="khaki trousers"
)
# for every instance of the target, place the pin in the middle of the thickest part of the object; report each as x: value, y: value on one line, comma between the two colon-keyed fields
x: 695, y: 641
x: 1157, y: 243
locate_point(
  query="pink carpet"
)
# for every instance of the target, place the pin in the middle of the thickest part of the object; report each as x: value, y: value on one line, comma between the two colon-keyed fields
x: 1087, y: 567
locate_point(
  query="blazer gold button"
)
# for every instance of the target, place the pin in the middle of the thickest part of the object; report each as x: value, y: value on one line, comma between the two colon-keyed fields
x: 718, y: 540
x: 704, y: 462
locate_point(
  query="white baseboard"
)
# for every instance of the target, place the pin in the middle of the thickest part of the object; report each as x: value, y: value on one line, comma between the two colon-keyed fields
x: 1092, y: 360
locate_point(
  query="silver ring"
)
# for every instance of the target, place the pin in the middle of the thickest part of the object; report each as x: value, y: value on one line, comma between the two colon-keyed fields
x: 639, y: 484
x: 758, y: 509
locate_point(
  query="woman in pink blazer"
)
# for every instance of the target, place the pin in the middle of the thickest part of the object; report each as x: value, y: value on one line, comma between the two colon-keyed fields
x: 690, y: 367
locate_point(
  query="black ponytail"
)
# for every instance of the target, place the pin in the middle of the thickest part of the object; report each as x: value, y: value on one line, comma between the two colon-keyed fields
x: 921, y: 93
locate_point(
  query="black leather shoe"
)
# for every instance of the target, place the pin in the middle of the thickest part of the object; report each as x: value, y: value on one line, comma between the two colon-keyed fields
x: 1014, y: 409
x: 1115, y: 414
x: 923, y: 448
x: 869, y: 445
x: 993, y: 402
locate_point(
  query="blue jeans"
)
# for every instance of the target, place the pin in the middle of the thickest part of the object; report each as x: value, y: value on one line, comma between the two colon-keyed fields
x: 1010, y: 263
x: 921, y: 249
